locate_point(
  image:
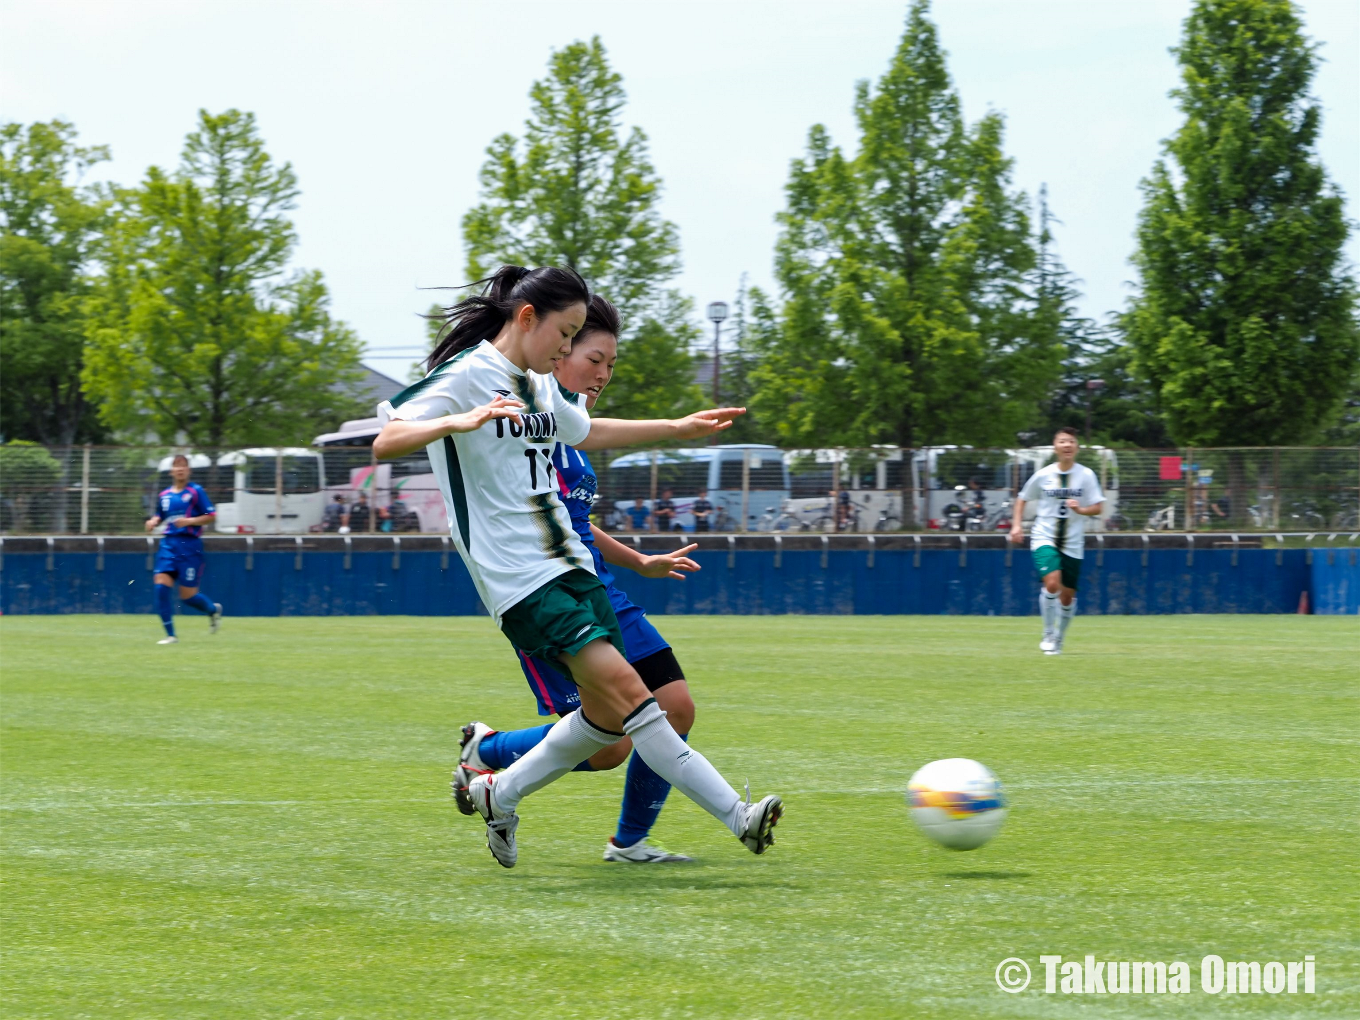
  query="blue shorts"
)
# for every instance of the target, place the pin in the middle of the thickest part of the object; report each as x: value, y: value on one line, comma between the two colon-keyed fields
x: 182, y: 559
x: 554, y: 690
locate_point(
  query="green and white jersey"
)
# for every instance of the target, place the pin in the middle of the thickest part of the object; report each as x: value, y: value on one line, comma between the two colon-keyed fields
x: 499, y: 483
x: 1055, y: 523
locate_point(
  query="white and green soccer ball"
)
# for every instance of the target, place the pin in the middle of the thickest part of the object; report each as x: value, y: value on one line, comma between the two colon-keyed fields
x: 957, y: 802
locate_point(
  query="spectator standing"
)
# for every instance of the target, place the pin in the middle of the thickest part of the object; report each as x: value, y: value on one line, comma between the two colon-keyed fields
x: 703, y: 511
x: 663, y: 514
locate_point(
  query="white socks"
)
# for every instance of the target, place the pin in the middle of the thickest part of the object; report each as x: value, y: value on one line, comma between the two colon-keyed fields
x: 571, y: 741
x: 1048, y: 609
x: 680, y: 765
x: 574, y: 739
x: 1065, y: 614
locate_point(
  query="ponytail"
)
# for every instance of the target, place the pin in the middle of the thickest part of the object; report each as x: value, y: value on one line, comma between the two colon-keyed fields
x: 480, y: 316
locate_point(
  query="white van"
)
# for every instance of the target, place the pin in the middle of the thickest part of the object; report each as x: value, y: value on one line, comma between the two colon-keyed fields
x: 275, y: 491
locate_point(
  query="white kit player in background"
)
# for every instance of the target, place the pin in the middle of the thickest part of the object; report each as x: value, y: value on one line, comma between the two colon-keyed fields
x: 1066, y: 493
x: 489, y: 414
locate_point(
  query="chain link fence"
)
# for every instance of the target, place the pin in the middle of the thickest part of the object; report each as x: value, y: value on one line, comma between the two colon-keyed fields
x: 295, y: 490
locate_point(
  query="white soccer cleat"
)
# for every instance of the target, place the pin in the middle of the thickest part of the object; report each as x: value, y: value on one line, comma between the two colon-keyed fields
x: 761, y: 818
x: 215, y: 620
x: 1049, y: 642
x: 1055, y: 648
x: 470, y: 764
x: 500, y: 827
x: 172, y: 640
x: 642, y: 852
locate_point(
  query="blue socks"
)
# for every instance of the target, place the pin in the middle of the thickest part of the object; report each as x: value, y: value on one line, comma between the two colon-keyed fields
x: 644, y: 795
x: 165, y: 607
x: 500, y: 749
x: 200, y: 602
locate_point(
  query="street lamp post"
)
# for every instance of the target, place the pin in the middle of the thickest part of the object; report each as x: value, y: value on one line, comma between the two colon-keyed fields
x: 717, y: 312
x: 1092, y: 385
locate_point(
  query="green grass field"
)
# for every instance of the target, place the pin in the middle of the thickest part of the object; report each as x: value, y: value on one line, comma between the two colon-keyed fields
x: 259, y: 825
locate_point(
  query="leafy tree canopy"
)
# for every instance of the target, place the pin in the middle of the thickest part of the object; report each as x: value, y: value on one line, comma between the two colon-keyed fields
x: 49, y: 228
x: 906, y: 276
x: 1245, y: 323
x: 577, y: 191
x: 198, y: 333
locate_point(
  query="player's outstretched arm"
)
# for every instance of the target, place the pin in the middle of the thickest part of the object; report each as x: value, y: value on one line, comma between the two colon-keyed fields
x: 669, y: 564
x: 606, y: 433
x: 399, y: 438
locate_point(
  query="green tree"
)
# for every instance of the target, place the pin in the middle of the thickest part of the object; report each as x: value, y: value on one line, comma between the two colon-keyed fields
x: 1245, y: 321
x: 198, y: 333
x: 49, y: 226
x: 904, y: 269
x: 577, y: 191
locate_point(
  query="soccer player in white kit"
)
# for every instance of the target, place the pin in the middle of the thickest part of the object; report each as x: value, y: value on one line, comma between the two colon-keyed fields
x: 490, y: 413
x: 1066, y: 494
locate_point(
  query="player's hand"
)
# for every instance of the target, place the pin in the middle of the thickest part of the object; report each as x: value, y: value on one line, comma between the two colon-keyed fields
x: 1072, y: 504
x: 151, y: 524
x: 471, y: 421
x: 675, y: 564
x: 1017, y: 535
x: 706, y: 423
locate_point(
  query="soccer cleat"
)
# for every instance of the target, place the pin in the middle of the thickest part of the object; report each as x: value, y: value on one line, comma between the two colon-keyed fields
x: 215, y: 620
x: 1055, y: 647
x: 171, y: 640
x: 1049, y: 642
x: 641, y: 852
x: 470, y: 764
x: 761, y: 818
x: 500, y: 827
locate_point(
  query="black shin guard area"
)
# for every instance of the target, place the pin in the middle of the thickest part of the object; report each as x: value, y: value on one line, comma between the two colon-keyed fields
x: 659, y: 669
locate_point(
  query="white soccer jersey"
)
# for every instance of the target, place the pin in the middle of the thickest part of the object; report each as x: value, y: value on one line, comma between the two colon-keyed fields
x: 1055, y: 524
x: 499, y: 481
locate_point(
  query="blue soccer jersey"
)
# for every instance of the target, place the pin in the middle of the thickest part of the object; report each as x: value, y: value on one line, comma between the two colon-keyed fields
x: 190, y: 501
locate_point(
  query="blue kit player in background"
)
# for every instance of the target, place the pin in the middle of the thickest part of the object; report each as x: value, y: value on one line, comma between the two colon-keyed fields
x: 586, y: 372
x: 185, y: 508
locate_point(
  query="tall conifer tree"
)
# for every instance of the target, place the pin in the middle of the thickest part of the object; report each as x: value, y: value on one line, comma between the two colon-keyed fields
x: 1245, y: 321
x: 903, y: 270
x: 577, y: 191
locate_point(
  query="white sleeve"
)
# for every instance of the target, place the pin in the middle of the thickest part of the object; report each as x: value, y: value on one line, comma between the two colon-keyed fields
x: 573, y: 423
x: 1096, y: 495
x: 433, y: 397
x: 1030, y: 491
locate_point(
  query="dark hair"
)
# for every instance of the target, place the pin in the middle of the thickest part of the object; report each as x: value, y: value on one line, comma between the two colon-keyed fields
x: 1065, y: 430
x: 480, y: 316
x: 180, y: 457
x: 601, y: 317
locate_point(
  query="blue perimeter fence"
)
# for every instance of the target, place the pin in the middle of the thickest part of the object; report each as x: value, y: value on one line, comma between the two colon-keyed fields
x: 929, y: 574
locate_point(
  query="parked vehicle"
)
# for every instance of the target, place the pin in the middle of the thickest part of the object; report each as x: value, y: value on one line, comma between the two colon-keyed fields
x: 686, y: 472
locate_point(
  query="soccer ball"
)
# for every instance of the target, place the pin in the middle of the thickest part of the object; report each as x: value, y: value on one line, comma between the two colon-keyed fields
x: 957, y: 802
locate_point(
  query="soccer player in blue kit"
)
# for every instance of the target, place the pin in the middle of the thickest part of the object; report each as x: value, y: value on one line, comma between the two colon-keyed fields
x: 586, y: 372
x: 186, y: 508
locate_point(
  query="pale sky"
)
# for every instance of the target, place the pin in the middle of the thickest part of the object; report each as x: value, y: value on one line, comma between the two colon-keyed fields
x: 385, y: 110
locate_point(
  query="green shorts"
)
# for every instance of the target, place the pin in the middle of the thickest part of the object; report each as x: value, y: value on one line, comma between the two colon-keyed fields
x: 1047, y: 559
x: 563, y: 616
